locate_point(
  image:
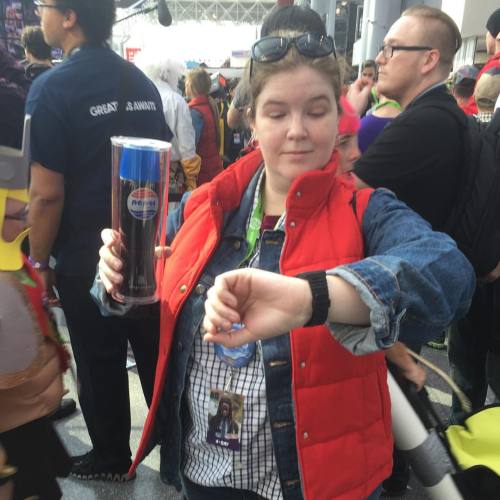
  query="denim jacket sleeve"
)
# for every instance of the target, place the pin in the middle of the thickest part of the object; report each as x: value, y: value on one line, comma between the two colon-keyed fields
x: 110, y: 307
x: 414, y: 280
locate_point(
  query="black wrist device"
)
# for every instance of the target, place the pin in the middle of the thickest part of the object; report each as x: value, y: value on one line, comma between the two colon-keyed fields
x: 320, y: 296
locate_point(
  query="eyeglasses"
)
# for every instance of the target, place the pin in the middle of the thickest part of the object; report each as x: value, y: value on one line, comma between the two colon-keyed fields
x: 273, y: 48
x: 388, y: 50
x: 39, y: 5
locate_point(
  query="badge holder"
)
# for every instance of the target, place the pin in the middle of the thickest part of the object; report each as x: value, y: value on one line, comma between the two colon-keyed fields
x: 225, y: 412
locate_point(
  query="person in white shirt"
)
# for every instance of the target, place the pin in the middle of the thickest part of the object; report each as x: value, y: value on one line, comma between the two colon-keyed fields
x: 185, y: 163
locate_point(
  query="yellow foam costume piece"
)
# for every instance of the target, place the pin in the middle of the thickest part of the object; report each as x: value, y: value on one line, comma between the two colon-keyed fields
x: 11, y: 256
x: 477, y: 442
x: 191, y: 167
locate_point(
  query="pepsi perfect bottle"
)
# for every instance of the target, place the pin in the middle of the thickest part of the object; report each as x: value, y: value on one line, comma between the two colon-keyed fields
x: 140, y: 191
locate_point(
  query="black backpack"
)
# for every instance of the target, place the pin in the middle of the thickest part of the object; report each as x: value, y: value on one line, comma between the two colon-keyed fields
x: 474, y: 222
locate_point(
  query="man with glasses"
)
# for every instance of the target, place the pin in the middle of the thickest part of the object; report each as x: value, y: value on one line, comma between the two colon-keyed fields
x: 419, y: 154
x: 76, y: 107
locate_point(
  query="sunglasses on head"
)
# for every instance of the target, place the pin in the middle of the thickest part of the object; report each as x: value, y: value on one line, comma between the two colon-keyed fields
x: 274, y: 48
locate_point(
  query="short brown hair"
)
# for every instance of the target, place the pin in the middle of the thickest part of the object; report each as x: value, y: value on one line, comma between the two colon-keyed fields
x: 262, y: 72
x: 199, y: 81
x: 446, y: 37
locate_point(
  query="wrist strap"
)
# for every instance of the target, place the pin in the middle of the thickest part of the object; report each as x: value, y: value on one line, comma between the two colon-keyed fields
x: 38, y: 265
x: 320, y: 297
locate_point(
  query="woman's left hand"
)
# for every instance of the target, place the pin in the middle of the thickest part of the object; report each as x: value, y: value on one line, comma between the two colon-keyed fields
x: 267, y: 304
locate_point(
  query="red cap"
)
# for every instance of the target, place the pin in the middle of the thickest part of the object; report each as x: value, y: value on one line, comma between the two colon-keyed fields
x: 349, y: 121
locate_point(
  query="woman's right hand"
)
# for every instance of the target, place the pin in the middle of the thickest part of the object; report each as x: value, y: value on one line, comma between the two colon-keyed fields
x: 110, y: 264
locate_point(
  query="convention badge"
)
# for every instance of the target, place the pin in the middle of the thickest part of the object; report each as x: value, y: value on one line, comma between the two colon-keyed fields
x: 225, y: 418
x: 236, y: 138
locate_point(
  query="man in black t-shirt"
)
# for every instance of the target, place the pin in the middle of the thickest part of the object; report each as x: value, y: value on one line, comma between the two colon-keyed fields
x: 418, y: 155
x: 76, y: 107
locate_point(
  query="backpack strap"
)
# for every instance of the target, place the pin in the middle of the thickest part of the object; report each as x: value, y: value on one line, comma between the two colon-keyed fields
x: 359, y: 202
x: 470, y: 148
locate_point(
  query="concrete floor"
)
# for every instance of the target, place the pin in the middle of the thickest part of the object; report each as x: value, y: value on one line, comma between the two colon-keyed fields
x: 147, y: 484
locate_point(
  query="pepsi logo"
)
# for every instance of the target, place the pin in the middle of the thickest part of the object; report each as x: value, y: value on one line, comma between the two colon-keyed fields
x: 142, y: 203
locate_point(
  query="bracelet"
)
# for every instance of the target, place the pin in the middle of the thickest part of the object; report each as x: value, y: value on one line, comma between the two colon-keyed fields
x: 7, y: 472
x: 320, y: 297
x: 39, y: 265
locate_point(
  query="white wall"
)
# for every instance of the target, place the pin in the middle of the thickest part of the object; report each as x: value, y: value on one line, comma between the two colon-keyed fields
x: 470, y: 15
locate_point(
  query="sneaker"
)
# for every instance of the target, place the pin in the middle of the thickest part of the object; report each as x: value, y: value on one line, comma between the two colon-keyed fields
x: 76, y: 459
x: 89, y: 467
x: 439, y: 344
x: 393, y: 493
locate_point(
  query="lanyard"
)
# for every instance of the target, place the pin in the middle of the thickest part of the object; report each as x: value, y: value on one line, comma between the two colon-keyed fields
x: 241, y: 356
x: 393, y: 104
x: 253, y: 229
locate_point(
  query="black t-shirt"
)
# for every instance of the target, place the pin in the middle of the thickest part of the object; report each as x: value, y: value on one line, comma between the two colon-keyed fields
x: 74, y: 110
x: 419, y: 156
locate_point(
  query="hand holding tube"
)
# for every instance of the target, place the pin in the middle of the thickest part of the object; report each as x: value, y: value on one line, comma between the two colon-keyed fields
x: 110, y: 263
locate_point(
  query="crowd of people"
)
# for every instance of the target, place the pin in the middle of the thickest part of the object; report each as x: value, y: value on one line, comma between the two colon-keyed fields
x: 308, y: 238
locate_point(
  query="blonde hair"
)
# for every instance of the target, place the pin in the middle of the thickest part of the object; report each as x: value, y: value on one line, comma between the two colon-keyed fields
x: 445, y: 37
x: 262, y: 72
x: 199, y: 81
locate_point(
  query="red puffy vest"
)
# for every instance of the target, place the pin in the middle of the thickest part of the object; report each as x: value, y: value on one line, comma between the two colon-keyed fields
x: 211, y: 162
x: 342, y: 406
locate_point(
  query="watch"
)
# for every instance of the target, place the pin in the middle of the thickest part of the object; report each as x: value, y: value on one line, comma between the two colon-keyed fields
x: 320, y: 297
x: 38, y: 265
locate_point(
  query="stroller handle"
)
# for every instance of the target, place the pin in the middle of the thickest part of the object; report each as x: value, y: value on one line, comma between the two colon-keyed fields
x: 427, y: 456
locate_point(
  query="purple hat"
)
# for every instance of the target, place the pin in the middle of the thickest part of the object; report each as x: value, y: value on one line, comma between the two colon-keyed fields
x: 467, y: 72
x: 493, y: 24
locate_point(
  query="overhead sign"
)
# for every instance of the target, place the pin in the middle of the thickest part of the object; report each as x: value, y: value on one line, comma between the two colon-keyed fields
x: 131, y: 52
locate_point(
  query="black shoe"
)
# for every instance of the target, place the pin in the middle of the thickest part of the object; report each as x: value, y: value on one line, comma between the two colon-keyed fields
x: 76, y: 459
x: 393, y: 491
x: 89, y: 467
x: 66, y: 408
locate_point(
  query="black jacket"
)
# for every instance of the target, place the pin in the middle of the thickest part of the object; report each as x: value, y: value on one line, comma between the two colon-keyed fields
x: 418, y: 156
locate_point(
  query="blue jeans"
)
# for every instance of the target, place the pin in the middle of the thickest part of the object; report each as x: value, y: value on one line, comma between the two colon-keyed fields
x: 376, y: 494
x: 194, y: 491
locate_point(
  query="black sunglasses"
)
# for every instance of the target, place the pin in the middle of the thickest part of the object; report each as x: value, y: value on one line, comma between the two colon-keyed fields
x: 274, y: 48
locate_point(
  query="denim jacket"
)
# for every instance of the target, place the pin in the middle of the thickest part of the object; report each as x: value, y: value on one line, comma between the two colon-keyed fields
x: 412, y: 293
